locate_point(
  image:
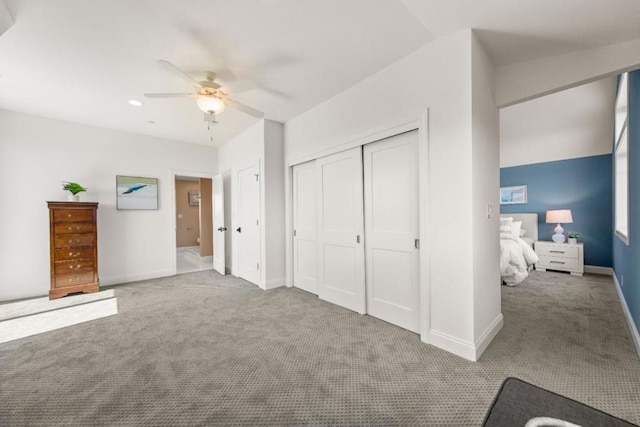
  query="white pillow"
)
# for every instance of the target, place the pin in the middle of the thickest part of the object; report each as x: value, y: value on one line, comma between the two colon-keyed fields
x: 515, y: 228
x: 522, y: 232
x: 505, y: 225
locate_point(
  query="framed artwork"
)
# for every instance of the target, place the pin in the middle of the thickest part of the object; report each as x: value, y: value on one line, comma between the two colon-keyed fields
x: 136, y: 193
x: 194, y: 198
x: 516, y: 195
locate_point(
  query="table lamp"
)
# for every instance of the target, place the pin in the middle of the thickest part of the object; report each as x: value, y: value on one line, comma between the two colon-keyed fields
x: 560, y: 216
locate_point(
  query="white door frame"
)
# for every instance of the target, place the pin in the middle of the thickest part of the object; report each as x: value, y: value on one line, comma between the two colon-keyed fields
x: 419, y: 122
x: 174, y: 173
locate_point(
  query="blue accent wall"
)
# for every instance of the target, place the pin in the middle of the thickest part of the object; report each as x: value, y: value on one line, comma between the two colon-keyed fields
x: 626, y: 259
x: 583, y: 185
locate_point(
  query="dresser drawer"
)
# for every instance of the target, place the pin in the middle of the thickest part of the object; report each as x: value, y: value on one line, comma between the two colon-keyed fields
x: 63, y: 280
x: 71, y: 227
x: 559, y: 251
x: 72, y: 215
x: 69, y: 267
x: 557, y: 263
x: 70, y: 240
x: 65, y: 254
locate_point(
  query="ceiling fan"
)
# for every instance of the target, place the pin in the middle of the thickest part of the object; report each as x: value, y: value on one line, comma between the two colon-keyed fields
x: 210, y: 97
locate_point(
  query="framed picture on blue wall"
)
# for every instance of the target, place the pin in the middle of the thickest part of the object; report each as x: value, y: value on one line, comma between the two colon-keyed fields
x: 516, y: 195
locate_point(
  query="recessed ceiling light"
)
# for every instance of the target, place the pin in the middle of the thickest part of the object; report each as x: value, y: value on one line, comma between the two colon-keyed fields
x: 135, y: 102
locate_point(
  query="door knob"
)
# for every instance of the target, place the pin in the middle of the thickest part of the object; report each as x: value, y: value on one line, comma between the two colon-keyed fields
x: 239, y: 229
x: 222, y: 229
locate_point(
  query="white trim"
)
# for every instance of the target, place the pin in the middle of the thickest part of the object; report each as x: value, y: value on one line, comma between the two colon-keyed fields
x: 424, y: 210
x: 627, y: 314
x: 174, y: 173
x: 488, y: 335
x: 274, y: 283
x: 392, y: 128
x: 596, y: 269
x: 453, y: 345
x: 463, y: 348
x: 126, y: 278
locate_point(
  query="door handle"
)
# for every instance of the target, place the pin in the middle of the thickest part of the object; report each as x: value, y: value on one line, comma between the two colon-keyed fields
x: 222, y: 229
x: 239, y: 229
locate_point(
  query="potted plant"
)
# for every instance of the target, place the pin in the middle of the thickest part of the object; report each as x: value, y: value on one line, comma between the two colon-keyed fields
x: 74, y: 188
x: 573, y: 237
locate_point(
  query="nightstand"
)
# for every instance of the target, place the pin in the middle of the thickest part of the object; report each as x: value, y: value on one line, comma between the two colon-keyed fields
x: 560, y: 256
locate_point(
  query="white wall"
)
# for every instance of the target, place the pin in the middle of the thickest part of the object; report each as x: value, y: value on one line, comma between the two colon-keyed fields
x: 527, y: 80
x: 573, y: 123
x: 6, y: 20
x: 274, y: 204
x: 436, y: 77
x: 36, y: 154
x: 485, y: 184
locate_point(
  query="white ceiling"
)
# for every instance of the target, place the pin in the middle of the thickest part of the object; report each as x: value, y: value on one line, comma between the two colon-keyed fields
x: 82, y: 61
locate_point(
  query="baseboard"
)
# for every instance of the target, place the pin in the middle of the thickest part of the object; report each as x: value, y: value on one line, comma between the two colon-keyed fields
x: 274, y: 283
x: 453, y: 345
x: 126, y: 278
x: 595, y: 269
x: 488, y: 335
x: 627, y: 314
x: 463, y: 348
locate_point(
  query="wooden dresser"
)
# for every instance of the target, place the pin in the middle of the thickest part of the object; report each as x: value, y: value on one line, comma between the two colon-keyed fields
x: 73, y: 239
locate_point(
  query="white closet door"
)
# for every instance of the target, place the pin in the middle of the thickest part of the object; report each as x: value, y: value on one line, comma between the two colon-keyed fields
x: 391, y: 218
x: 305, y: 228
x: 340, y: 230
x: 219, y: 228
x: 248, y: 231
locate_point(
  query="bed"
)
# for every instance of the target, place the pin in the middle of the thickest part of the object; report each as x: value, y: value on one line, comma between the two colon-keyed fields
x: 517, y: 257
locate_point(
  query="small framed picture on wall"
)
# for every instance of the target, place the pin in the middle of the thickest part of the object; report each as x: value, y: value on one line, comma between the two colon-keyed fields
x: 516, y: 195
x: 136, y: 193
x: 194, y: 198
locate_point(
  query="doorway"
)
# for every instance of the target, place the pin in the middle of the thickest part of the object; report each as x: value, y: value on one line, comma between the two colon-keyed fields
x: 193, y: 223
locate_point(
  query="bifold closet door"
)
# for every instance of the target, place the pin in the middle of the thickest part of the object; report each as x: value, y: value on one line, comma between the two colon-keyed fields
x: 341, y: 229
x: 305, y: 227
x: 391, y: 220
x: 248, y: 232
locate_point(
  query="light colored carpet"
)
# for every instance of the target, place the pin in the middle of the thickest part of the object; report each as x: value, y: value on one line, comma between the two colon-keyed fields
x: 202, y: 349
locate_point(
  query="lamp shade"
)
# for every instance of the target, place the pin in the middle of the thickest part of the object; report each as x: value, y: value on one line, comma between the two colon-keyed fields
x: 210, y: 104
x: 561, y: 216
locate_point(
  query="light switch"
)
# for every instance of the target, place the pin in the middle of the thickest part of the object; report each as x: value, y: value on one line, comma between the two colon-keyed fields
x: 489, y: 211
x: 179, y: 216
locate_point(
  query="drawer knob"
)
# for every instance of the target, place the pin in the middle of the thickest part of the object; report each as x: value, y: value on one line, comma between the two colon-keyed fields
x: 69, y: 228
x: 68, y: 215
x: 70, y: 253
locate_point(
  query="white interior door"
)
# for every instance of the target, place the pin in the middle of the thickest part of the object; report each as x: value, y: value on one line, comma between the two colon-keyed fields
x: 305, y: 228
x: 218, y: 226
x: 248, y: 230
x: 391, y: 222
x: 340, y: 230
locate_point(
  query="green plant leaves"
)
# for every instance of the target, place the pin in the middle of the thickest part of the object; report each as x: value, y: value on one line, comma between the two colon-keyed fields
x: 73, y: 187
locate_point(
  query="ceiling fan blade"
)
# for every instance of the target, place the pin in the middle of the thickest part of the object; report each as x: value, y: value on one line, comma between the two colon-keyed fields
x: 169, y: 95
x: 246, y: 109
x: 178, y: 72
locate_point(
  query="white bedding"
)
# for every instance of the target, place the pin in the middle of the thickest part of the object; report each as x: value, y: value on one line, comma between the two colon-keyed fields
x: 515, y: 258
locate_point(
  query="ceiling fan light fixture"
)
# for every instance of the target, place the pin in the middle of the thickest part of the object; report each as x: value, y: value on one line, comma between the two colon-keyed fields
x: 210, y: 104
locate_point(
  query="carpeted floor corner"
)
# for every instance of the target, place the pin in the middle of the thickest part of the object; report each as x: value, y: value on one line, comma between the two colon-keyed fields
x: 205, y: 349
